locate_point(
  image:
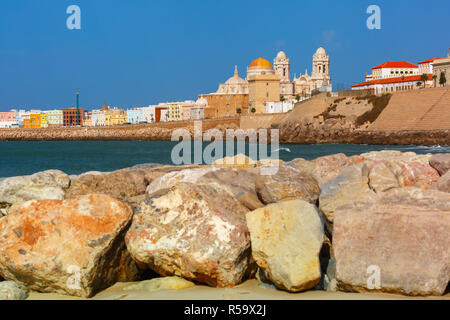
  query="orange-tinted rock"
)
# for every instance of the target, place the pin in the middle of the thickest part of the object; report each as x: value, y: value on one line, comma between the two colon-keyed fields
x: 398, y: 244
x: 72, y: 247
x: 197, y: 232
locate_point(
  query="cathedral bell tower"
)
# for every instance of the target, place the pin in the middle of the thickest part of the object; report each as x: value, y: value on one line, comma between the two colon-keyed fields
x: 321, y: 67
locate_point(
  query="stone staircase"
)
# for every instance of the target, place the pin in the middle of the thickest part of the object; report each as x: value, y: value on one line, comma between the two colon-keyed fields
x: 424, y: 109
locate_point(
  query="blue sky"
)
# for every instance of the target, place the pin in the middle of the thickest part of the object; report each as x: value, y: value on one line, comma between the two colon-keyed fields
x: 140, y: 52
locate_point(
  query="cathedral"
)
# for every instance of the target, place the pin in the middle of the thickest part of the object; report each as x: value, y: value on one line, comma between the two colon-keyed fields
x: 304, y: 84
x: 267, y: 83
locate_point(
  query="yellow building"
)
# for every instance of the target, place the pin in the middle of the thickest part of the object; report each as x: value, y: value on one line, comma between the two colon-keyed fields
x: 43, y: 120
x: 174, y: 111
x: 115, y: 117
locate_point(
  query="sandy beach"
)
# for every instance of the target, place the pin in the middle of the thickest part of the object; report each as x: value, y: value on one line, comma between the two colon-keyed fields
x: 249, y: 290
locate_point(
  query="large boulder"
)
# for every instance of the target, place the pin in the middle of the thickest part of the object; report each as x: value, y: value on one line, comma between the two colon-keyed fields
x: 409, y: 168
x: 399, y: 244
x: 72, y: 247
x: 51, y: 184
x: 121, y: 184
x: 381, y: 178
x: 352, y: 184
x: 10, y: 290
x: 441, y: 162
x: 172, y: 178
x: 286, y: 241
x: 287, y: 184
x: 197, y: 232
x: 328, y: 167
x: 444, y: 183
x: 239, y: 161
x: 325, y: 168
x: 239, y: 183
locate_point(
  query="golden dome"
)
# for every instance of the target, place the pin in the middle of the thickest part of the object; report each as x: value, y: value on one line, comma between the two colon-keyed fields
x: 261, y: 63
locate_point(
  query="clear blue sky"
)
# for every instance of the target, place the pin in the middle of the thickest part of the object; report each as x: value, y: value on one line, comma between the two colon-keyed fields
x: 140, y: 52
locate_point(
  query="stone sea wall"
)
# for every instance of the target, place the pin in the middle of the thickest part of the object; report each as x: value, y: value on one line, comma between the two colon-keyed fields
x: 377, y: 222
x: 159, y: 131
x: 306, y: 131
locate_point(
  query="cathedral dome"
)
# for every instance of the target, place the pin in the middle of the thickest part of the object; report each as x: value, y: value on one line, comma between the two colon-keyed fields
x: 261, y: 63
x: 321, y: 52
x: 236, y: 80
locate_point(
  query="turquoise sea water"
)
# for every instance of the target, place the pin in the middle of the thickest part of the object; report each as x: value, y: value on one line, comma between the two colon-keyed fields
x: 23, y: 158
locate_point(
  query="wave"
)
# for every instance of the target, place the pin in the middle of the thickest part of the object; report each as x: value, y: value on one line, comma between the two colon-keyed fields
x: 283, y: 149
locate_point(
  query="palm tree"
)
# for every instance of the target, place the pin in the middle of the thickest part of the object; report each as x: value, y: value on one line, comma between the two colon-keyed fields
x: 424, y: 79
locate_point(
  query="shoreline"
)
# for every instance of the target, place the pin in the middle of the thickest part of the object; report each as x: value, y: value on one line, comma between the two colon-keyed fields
x: 164, y: 133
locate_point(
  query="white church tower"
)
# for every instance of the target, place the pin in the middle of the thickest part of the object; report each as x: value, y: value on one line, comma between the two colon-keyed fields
x: 282, y: 67
x: 321, y: 69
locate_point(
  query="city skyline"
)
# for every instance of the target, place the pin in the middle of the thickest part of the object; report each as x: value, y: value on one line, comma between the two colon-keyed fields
x: 145, y: 53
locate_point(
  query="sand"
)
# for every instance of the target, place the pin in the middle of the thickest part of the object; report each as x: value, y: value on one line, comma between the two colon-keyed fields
x: 246, y: 291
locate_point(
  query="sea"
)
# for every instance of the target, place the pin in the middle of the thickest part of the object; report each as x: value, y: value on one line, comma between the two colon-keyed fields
x: 75, y: 157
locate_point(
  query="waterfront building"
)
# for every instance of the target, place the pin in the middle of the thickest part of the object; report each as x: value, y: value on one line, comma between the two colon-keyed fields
x: 34, y: 121
x: 198, y: 110
x: 174, y: 111
x: 8, y: 119
x: 390, y: 85
x: 393, y: 76
x: 72, y: 116
x: 161, y: 113
x: 55, y: 118
x: 394, y: 69
x: 187, y: 109
x: 426, y: 66
x: 148, y: 114
x: 278, y: 107
x: 115, y: 117
x: 442, y: 66
x: 43, y: 120
x: 98, y: 118
x: 134, y: 116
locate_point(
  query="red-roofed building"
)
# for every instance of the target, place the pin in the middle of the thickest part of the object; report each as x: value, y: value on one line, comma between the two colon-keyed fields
x: 427, y: 66
x: 392, y: 69
x: 388, y: 85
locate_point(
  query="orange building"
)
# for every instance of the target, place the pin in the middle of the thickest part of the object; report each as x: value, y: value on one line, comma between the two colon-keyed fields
x: 35, y: 121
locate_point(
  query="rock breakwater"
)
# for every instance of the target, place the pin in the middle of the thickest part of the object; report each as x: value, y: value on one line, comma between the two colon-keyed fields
x: 377, y: 222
